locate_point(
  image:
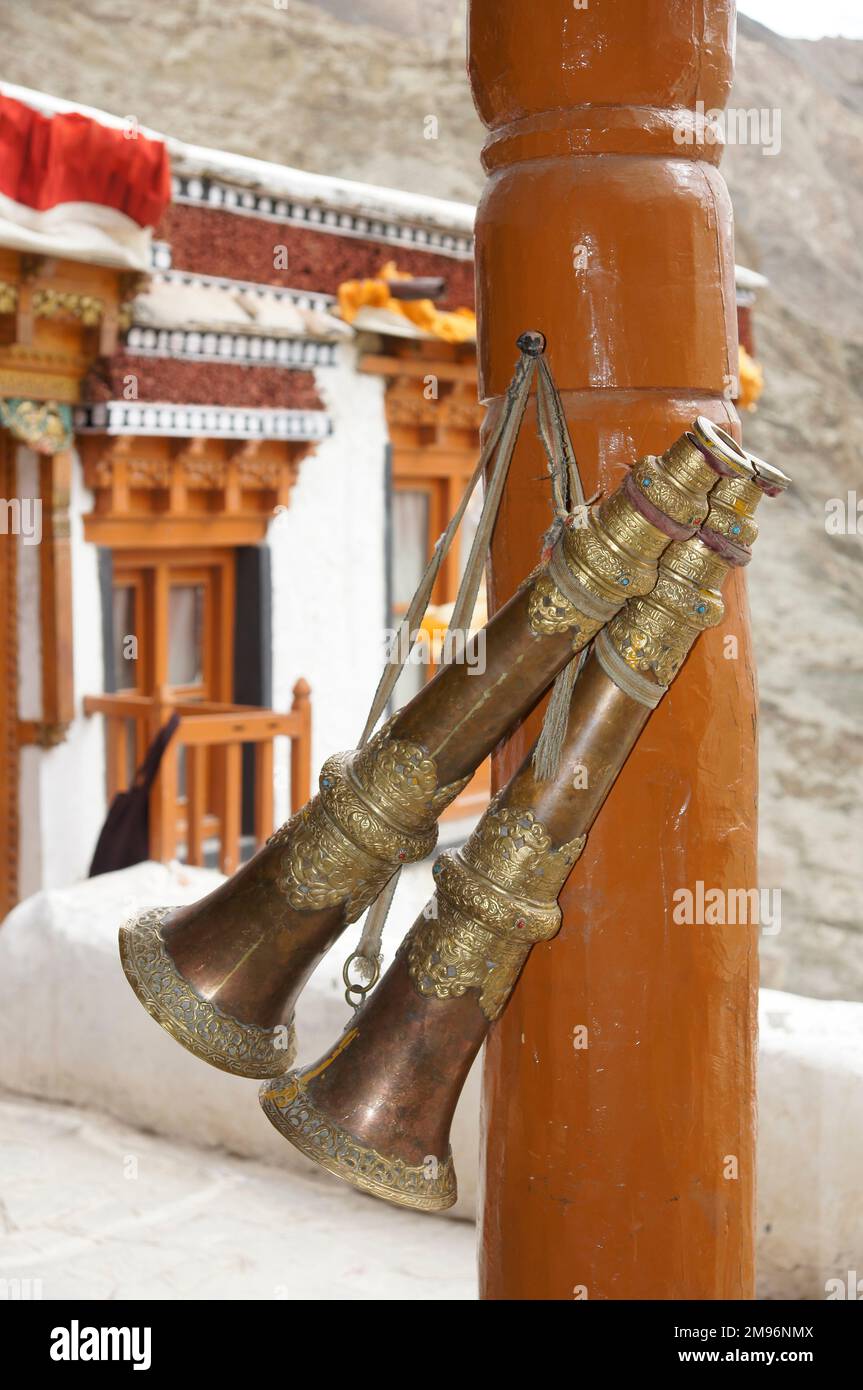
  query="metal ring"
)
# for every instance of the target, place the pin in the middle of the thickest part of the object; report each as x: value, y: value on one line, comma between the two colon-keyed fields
x: 531, y: 342
x: 719, y: 443
x: 768, y: 477
x: 361, y: 990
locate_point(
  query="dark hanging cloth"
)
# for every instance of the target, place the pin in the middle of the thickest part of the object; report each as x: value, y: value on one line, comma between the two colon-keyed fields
x: 125, y: 837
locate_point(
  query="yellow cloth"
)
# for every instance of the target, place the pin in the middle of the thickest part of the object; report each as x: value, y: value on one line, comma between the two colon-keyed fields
x: 751, y: 380
x: 439, y: 615
x: 452, y: 326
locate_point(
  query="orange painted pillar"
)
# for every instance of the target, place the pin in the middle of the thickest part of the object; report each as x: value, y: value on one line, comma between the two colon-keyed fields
x: 619, y: 1099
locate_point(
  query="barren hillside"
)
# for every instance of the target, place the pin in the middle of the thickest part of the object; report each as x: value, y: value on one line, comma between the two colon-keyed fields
x: 343, y: 87
x: 291, y: 84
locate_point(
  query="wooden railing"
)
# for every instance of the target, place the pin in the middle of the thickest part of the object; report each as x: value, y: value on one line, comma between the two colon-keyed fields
x: 212, y: 736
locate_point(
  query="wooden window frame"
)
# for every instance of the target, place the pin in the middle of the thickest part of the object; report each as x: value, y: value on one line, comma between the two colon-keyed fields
x: 152, y: 573
x: 429, y: 453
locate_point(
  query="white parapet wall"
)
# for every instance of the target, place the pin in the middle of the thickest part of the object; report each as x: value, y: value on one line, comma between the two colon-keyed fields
x: 71, y: 1030
x: 810, y: 1148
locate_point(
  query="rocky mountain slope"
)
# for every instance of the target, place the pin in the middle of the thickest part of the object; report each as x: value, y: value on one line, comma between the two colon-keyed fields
x: 343, y: 87
x: 799, y: 220
x: 279, y: 79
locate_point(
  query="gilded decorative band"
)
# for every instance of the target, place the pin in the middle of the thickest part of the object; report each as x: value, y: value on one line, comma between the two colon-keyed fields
x: 736, y: 556
x: 495, y: 899
x: 732, y: 507
x: 377, y: 809
x: 400, y: 780
x: 650, y: 634
x: 550, y: 610
x: 615, y: 554
x: 674, y: 530
x: 429, y: 1186
x: 654, y: 633
x: 675, y: 484
x: 594, y: 568
x: 626, y: 677
x: 243, y: 1049
x: 320, y: 866
x: 614, y: 557
x: 588, y: 602
x: 515, y: 851
x: 475, y: 894
x: 452, y: 953
x: 351, y: 809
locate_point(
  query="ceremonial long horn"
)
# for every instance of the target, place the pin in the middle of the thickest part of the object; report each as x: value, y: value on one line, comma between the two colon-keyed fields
x: 222, y: 975
x: 376, y: 1110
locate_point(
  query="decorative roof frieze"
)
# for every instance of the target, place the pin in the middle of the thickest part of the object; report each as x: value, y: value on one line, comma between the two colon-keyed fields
x: 217, y: 422
x: 196, y: 345
x: 302, y: 212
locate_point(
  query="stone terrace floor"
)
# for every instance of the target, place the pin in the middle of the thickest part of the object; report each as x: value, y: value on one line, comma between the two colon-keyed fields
x: 95, y: 1209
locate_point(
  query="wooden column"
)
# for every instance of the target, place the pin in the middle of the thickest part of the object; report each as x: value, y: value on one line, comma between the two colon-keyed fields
x: 622, y: 1168
x: 9, y: 747
x: 55, y: 605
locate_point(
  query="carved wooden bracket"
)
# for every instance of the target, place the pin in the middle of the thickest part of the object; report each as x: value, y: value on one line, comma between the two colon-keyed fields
x: 431, y: 391
x: 195, y: 491
x: 56, y: 318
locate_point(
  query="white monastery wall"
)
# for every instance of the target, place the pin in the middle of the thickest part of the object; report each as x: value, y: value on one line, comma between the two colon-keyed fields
x: 62, y: 789
x: 329, y: 567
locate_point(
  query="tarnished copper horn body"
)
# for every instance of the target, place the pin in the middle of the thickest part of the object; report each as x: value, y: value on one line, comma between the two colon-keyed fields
x: 376, y: 1110
x: 222, y: 975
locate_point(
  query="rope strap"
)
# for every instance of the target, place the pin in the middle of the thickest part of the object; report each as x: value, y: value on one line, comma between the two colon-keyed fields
x: 506, y: 416
x: 506, y: 420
